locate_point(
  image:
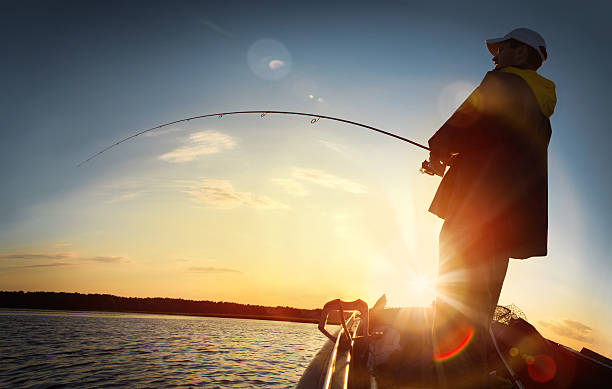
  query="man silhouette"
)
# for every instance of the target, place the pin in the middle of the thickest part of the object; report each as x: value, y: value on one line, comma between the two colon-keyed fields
x: 493, y: 199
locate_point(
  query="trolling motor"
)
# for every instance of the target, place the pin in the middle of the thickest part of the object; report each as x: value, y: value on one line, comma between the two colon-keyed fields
x: 341, y: 306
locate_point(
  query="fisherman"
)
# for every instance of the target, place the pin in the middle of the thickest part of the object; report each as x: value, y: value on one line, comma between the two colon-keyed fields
x: 493, y: 200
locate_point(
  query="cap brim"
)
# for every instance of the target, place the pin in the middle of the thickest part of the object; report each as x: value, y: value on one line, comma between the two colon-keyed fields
x: 493, y: 44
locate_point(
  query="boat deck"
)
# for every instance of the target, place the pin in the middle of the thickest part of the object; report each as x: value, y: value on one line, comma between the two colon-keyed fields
x: 397, y: 354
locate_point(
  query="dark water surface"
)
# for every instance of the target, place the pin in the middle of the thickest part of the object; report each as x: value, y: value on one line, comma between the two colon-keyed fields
x: 44, y: 349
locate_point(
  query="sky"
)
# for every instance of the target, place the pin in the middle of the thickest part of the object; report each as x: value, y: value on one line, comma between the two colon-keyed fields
x: 275, y: 210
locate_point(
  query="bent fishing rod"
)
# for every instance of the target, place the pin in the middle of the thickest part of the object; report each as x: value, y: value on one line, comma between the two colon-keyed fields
x: 315, y: 118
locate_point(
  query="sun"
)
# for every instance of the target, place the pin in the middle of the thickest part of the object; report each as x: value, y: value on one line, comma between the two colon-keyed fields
x: 421, y: 282
x: 422, y: 288
x: 414, y: 290
x: 407, y: 290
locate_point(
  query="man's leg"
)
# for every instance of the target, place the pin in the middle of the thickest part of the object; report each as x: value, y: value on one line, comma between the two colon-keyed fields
x: 469, y: 283
x: 497, y: 273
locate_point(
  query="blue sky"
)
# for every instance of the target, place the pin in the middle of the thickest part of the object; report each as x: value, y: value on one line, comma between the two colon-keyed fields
x: 78, y: 76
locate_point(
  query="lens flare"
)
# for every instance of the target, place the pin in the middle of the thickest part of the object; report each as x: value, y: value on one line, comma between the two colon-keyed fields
x: 269, y: 59
x: 453, y: 344
x: 276, y: 64
x: 542, y: 368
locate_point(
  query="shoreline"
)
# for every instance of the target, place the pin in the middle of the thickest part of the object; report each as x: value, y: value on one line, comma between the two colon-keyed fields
x: 196, y: 314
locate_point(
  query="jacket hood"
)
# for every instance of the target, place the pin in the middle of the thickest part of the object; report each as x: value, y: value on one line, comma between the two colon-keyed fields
x: 543, y: 88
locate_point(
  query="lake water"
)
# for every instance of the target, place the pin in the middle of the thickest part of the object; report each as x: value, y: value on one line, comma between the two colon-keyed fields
x: 44, y: 349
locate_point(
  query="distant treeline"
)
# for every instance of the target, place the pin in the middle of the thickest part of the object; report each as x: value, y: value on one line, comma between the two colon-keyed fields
x: 107, y: 302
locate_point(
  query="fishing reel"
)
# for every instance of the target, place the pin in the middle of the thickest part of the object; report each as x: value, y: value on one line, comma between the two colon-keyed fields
x: 433, y: 169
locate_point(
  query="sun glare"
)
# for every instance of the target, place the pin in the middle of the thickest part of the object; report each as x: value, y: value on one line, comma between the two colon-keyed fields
x: 421, y: 283
x: 422, y: 289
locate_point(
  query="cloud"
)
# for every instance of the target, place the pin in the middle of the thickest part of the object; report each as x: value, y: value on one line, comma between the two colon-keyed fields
x: 49, y: 256
x: 570, y: 329
x: 164, y: 131
x: 61, y: 257
x: 58, y: 245
x: 221, y: 194
x: 291, y: 186
x: 328, y: 180
x: 334, y: 146
x: 208, y: 269
x: 200, y: 143
x: 125, y: 197
x: 54, y: 264
x: 109, y: 259
x: 215, y: 27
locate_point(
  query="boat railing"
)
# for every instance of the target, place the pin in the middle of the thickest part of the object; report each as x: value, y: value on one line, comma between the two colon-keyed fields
x: 342, y: 306
x: 356, y: 326
x: 338, y: 367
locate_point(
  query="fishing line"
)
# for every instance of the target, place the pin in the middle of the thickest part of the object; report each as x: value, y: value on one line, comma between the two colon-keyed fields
x: 315, y: 119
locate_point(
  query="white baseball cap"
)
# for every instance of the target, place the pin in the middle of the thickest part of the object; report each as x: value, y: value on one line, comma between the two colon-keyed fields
x: 523, y: 35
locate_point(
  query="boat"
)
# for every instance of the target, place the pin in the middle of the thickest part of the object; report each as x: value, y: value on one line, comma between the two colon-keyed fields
x: 386, y: 348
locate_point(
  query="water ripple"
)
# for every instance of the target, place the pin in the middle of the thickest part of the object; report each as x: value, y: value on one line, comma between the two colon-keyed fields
x: 47, y: 349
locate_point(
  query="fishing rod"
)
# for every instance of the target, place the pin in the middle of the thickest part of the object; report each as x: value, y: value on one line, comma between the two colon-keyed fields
x: 315, y: 118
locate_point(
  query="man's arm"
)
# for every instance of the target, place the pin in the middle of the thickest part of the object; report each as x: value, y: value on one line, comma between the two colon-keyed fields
x: 464, y: 130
